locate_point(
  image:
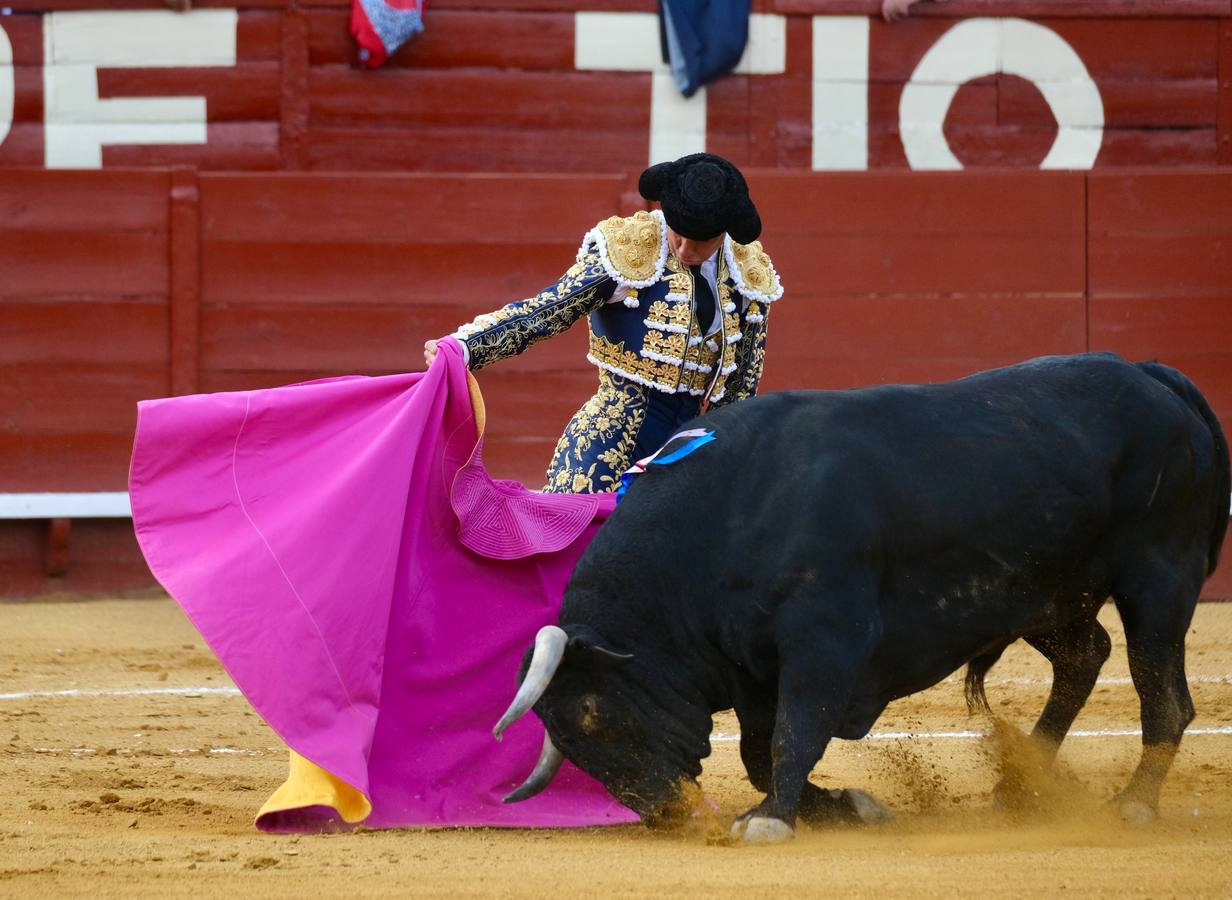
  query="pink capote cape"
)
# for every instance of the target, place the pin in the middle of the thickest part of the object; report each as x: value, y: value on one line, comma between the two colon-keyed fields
x: 368, y: 586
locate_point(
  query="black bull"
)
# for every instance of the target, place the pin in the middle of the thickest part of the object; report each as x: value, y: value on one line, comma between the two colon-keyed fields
x: 832, y: 551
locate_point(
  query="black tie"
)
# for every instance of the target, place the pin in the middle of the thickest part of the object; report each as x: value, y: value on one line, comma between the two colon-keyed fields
x: 703, y: 298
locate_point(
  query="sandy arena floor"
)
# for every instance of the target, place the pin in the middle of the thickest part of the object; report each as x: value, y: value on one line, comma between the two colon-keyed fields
x: 145, y: 783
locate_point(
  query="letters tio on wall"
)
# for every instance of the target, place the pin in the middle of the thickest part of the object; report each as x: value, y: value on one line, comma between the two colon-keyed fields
x: 77, y: 123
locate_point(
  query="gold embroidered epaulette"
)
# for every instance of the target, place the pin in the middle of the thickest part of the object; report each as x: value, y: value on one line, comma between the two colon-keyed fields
x: 754, y: 274
x: 633, y: 248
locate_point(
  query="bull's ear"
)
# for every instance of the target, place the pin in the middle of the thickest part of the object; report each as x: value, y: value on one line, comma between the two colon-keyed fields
x: 588, y: 646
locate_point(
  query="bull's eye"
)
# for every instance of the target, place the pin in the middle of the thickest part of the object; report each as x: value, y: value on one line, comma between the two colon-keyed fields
x: 588, y: 713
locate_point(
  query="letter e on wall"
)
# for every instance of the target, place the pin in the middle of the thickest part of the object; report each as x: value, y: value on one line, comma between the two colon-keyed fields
x: 78, y: 124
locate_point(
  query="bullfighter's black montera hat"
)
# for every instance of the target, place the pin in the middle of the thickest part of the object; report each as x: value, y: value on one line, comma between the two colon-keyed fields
x: 702, y: 196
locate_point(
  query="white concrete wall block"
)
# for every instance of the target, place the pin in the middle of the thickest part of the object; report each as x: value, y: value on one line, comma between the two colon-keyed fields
x: 78, y: 124
x: 840, y: 92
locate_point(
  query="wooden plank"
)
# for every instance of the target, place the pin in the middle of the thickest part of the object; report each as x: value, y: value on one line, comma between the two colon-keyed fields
x: 69, y: 202
x: 341, y: 339
x: 184, y: 299
x: 104, y: 560
x: 258, y: 33
x: 1189, y: 147
x: 1027, y: 8
x: 294, y: 90
x: 23, y: 147
x: 27, y: 94
x: 557, y: 102
x: 780, y: 109
x: 923, y: 234
x: 1160, y: 234
x: 519, y: 6
x: 50, y: 264
x: 229, y: 145
x: 375, y: 273
x: 245, y: 92
x: 40, y: 6
x: 72, y: 426
x: 1163, y: 326
x: 1179, y: 103
x: 529, y: 41
x: 1224, y: 152
x: 1154, y: 49
x: 597, y: 149
x: 1026, y: 148
x: 25, y: 34
x: 80, y: 461
x: 1161, y: 203
x: 841, y: 342
x: 75, y: 333
x: 335, y: 209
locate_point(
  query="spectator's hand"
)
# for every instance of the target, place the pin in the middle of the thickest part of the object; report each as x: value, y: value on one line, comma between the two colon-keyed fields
x: 429, y: 352
x: 895, y: 9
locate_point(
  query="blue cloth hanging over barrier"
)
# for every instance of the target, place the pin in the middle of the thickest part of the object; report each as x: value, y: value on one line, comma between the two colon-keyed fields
x: 702, y: 39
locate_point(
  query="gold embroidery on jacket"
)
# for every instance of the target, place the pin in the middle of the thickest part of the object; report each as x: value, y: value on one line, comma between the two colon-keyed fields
x: 633, y: 244
x: 749, y: 358
x: 756, y: 270
x: 512, y: 328
x: 611, y: 419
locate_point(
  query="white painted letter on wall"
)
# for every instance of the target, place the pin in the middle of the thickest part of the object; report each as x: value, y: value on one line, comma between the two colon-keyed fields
x: 840, y: 92
x: 78, y: 124
x: 8, y: 89
x: 979, y: 47
x: 629, y: 42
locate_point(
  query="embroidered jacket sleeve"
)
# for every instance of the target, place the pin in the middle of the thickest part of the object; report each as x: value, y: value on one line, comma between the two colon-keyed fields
x: 750, y: 357
x: 511, y: 329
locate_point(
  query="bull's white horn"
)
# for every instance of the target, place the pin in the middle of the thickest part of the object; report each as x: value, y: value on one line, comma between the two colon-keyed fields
x: 549, y: 651
x: 545, y: 770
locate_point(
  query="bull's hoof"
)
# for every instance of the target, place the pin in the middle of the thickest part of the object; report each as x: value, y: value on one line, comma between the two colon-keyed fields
x: 761, y: 830
x: 1137, y: 813
x: 868, y: 809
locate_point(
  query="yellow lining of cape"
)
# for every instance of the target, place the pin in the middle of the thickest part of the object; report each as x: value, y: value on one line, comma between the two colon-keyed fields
x: 308, y: 785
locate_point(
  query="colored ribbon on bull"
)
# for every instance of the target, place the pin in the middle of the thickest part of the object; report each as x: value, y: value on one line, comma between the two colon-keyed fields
x: 699, y: 438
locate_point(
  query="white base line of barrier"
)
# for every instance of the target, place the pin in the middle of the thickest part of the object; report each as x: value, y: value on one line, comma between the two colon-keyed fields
x: 86, y: 505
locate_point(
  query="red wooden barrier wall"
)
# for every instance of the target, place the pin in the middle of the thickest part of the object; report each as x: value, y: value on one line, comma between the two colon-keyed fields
x: 122, y: 285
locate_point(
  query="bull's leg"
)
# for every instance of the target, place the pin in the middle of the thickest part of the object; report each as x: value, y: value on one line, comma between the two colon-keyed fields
x: 1077, y: 652
x: 817, y: 806
x: 1156, y: 618
x: 812, y: 695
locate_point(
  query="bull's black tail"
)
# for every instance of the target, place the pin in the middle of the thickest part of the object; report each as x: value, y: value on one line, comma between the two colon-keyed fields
x: 973, y: 684
x: 1184, y: 388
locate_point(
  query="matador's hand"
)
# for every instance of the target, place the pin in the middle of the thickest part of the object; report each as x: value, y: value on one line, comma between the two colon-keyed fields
x: 429, y: 352
x: 895, y: 9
